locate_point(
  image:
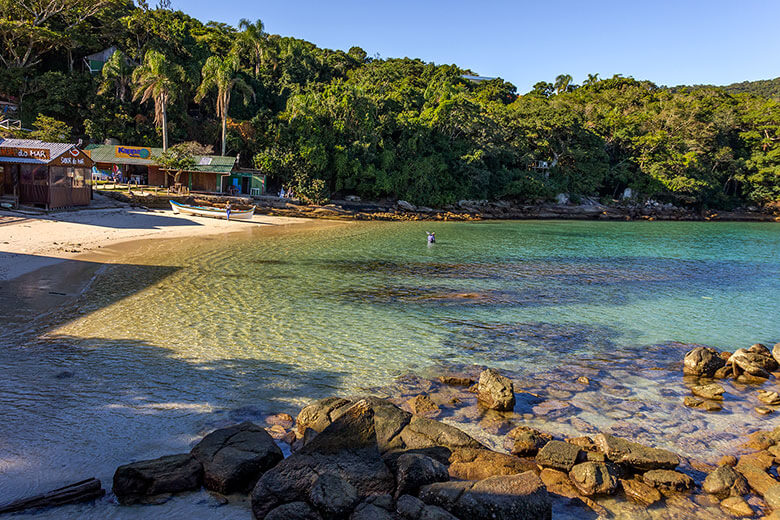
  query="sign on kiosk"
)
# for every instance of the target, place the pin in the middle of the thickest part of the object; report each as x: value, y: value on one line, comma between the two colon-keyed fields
x: 132, y: 152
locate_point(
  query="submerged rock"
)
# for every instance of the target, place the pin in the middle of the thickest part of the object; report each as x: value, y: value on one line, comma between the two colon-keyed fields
x: 724, y: 482
x: 640, y: 492
x: 703, y: 404
x: 423, y: 405
x: 769, y: 397
x: 635, y: 455
x: 711, y: 391
x: 702, y: 362
x: 234, y: 458
x: 496, y: 391
x: 737, y: 506
x: 668, y: 480
x: 135, y: 483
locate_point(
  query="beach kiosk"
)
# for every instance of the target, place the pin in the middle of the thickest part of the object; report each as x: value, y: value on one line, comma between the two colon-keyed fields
x: 48, y: 175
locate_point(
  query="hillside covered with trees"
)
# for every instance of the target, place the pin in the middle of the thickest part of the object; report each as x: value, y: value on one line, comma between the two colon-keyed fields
x: 332, y: 122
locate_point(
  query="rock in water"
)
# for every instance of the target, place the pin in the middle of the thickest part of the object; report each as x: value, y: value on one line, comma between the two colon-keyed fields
x: 234, y: 458
x: 769, y: 397
x: 711, y: 391
x: 524, y: 441
x: 594, y: 478
x: 347, y: 448
x: 496, y: 391
x: 702, y: 362
x: 423, y: 405
x: 507, y: 497
x: 136, y: 482
x: 558, y: 455
x: 724, y: 482
x: 636, y: 455
x: 668, y: 480
x: 755, y: 362
x: 737, y: 506
x: 640, y: 492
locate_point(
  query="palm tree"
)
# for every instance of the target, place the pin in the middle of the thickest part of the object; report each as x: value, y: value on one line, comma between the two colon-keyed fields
x: 562, y: 82
x: 158, y: 79
x: 254, y: 36
x: 223, y: 74
x: 592, y: 79
x: 117, y: 73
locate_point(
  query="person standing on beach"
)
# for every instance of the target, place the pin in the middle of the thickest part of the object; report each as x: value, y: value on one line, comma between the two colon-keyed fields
x: 227, y: 209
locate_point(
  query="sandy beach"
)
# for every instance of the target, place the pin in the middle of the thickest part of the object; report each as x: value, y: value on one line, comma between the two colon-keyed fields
x: 28, y: 243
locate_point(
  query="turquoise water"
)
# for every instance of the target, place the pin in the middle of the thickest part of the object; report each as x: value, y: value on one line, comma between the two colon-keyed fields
x: 181, y: 337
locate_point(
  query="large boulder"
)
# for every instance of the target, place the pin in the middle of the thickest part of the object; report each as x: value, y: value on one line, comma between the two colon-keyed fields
x: 558, y: 455
x: 137, y: 482
x: 525, y: 441
x: 347, y: 448
x: 333, y: 496
x: 635, y: 455
x: 234, y: 458
x: 755, y: 361
x: 725, y: 481
x: 496, y: 498
x: 595, y: 478
x: 495, y: 391
x: 702, y: 362
x: 414, y: 470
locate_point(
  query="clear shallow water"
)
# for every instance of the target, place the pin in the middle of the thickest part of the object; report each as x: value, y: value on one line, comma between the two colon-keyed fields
x: 182, y: 337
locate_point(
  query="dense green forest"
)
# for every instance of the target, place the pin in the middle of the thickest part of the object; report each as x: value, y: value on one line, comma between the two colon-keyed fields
x: 329, y: 122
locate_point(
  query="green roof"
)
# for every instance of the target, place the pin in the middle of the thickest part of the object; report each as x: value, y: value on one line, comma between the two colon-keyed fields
x: 105, y: 153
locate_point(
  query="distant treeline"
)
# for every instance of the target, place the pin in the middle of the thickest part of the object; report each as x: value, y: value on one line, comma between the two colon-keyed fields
x: 332, y: 122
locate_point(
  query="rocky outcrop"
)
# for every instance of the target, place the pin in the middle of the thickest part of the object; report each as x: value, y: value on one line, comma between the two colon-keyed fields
x: 346, y: 449
x: 595, y: 478
x: 139, y: 481
x: 725, y: 482
x: 234, y: 458
x: 635, y: 455
x: 524, y: 441
x: 495, y: 391
x: 558, y: 455
x: 755, y: 361
x: 495, y: 498
x: 702, y: 362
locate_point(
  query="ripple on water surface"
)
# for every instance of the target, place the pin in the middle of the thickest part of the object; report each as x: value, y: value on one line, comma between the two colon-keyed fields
x: 193, y: 335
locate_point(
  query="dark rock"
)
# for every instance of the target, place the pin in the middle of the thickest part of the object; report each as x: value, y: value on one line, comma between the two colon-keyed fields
x: 421, y: 433
x: 594, y: 478
x: 702, y: 362
x: 333, y: 496
x: 558, y: 455
x: 347, y: 448
x: 524, y: 441
x: 366, y: 511
x: 414, y: 470
x: 723, y: 372
x: 496, y: 391
x: 293, y: 511
x: 634, y: 454
x: 135, y: 482
x: 725, y: 481
x: 412, y: 508
x: 711, y: 391
x: 640, y: 492
x: 668, y: 480
x: 495, y: 498
x: 478, y: 464
x: 234, y: 458
x: 384, y: 501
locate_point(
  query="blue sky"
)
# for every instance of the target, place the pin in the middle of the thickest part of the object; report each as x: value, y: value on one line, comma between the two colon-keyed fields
x: 668, y: 42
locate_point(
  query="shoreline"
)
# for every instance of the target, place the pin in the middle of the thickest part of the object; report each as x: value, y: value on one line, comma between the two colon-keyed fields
x: 29, y: 243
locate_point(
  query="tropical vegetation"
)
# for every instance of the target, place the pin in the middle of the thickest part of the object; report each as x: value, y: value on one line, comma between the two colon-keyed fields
x: 332, y: 123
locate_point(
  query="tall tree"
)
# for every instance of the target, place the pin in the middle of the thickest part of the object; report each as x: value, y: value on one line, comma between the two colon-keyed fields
x: 562, y: 82
x: 158, y: 79
x: 117, y: 73
x: 223, y: 75
x: 254, y: 37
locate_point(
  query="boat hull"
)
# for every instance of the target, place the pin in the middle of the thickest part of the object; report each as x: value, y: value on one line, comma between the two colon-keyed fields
x: 204, y: 211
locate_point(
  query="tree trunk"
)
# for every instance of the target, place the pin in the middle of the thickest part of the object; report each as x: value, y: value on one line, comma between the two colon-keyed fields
x: 224, y: 128
x: 165, y: 127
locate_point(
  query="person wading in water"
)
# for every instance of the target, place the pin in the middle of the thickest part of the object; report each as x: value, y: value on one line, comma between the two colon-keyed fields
x: 431, y: 237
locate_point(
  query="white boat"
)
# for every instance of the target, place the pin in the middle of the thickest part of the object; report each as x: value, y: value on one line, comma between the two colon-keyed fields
x: 206, y: 211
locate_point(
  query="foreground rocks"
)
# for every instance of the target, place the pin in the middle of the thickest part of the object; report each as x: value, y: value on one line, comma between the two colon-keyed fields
x: 496, y: 391
x: 141, y: 481
x: 702, y: 362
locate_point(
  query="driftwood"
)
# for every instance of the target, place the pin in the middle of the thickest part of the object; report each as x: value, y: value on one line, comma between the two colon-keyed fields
x: 89, y: 489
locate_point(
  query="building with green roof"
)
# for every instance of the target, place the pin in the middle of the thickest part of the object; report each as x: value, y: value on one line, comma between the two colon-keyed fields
x: 210, y: 173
